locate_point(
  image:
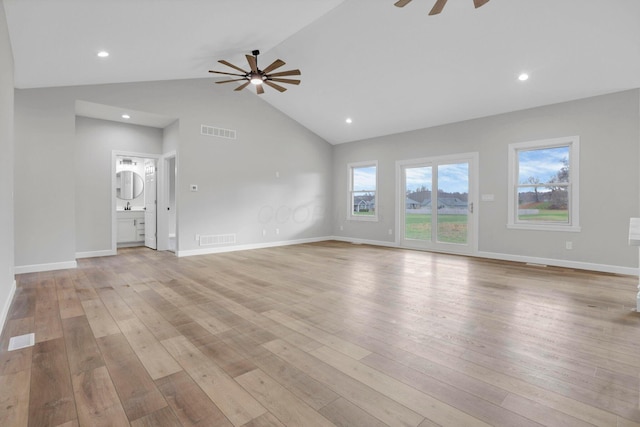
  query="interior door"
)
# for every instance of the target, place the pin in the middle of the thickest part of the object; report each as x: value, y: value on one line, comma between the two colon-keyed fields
x: 437, y: 211
x: 150, y: 197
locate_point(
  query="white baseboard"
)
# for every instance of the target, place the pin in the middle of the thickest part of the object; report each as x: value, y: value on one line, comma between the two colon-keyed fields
x: 36, y: 268
x: 7, y: 305
x: 578, y: 265
x: 218, y: 249
x: 94, y: 254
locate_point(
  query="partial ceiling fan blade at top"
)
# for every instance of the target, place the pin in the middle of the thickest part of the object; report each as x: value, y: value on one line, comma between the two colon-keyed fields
x: 227, y: 74
x: 253, y: 63
x: 275, y: 86
x: 290, y: 81
x: 285, y: 73
x: 259, y: 89
x: 229, y: 64
x: 242, y: 86
x: 402, y: 3
x: 275, y: 64
x: 437, y: 8
x: 478, y: 3
x: 229, y: 81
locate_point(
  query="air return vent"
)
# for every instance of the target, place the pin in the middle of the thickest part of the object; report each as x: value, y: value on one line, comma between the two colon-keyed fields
x: 219, y: 132
x: 220, y: 239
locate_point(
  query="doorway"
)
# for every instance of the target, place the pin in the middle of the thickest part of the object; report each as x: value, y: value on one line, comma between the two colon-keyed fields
x: 134, y: 200
x: 437, y: 205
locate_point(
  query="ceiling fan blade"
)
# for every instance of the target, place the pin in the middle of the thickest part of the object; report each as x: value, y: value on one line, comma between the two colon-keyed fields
x: 259, y: 89
x: 275, y: 86
x: 253, y: 63
x: 290, y: 81
x: 478, y: 3
x: 229, y: 81
x: 242, y: 86
x: 402, y: 3
x: 228, y: 74
x: 275, y: 64
x: 229, y: 64
x: 437, y: 8
x: 285, y: 73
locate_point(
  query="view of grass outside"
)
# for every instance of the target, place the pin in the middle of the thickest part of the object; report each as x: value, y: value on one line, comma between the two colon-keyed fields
x: 452, y: 228
x: 544, y: 185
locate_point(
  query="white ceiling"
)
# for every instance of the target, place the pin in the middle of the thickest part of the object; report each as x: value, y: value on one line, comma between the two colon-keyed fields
x: 389, y: 69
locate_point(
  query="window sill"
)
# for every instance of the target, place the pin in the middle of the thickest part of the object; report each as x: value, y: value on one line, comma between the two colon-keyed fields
x: 545, y: 227
x: 362, y: 218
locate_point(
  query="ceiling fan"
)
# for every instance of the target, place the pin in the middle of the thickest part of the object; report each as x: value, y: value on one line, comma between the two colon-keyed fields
x: 259, y: 77
x: 437, y: 8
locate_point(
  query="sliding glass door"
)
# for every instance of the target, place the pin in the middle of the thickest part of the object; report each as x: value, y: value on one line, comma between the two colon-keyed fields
x: 436, y: 211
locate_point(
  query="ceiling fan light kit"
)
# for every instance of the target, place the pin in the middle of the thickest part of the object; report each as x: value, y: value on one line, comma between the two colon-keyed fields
x: 437, y: 8
x: 259, y: 77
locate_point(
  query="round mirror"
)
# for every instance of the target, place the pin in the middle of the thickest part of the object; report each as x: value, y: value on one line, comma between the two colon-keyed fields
x: 129, y: 185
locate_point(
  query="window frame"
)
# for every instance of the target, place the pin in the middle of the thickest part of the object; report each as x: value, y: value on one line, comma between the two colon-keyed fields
x: 573, y: 225
x: 350, y: 191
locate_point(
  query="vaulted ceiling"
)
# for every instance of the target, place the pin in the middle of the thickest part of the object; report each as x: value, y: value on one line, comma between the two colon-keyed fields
x: 388, y: 69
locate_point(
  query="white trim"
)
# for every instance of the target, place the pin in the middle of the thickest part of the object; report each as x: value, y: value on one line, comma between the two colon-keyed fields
x: 473, y: 159
x: 7, y: 306
x: 235, y: 248
x: 94, y: 254
x: 573, y: 142
x: 114, y: 223
x: 350, y: 167
x: 36, y: 268
x: 578, y: 265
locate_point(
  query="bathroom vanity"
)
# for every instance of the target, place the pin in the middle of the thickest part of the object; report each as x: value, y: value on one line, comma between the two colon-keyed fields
x: 130, y: 227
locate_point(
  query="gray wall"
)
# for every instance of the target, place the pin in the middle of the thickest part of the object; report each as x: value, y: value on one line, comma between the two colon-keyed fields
x: 608, y: 127
x: 6, y: 166
x: 238, y: 189
x: 94, y: 142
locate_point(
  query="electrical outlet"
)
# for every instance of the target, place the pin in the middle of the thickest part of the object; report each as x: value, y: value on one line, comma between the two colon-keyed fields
x: 568, y: 245
x: 277, y: 231
x: 341, y: 228
x: 197, y: 237
x: 264, y: 233
x: 390, y: 232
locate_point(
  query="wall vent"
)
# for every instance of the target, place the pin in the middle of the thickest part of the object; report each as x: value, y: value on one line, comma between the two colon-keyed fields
x: 220, y: 239
x: 219, y: 132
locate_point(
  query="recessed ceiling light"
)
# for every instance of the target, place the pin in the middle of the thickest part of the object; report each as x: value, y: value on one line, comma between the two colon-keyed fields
x: 349, y: 121
x: 103, y: 54
x: 126, y: 116
x: 523, y: 77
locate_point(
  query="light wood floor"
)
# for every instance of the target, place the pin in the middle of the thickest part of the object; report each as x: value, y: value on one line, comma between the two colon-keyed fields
x: 318, y: 335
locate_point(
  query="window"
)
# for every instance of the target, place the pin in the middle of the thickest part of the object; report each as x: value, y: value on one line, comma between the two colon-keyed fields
x: 543, y: 185
x: 363, y: 184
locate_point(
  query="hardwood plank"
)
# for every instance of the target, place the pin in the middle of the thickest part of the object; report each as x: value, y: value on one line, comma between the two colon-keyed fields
x: 377, y: 404
x: 101, y: 322
x: 96, y: 399
x: 137, y: 391
x: 343, y: 413
x: 155, y: 358
x: 161, y: 418
x: 299, y: 383
x: 70, y: 305
x: 190, y: 404
x: 319, y: 335
x: 14, y: 399
x: 51, y: 399
x: 279, y: 401
x: 236, y: 404
x: 82, y: 351
x: 413, y: 399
